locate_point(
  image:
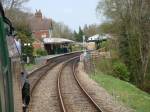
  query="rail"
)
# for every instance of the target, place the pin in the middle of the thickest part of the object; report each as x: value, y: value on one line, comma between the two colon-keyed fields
x: 78, y: 82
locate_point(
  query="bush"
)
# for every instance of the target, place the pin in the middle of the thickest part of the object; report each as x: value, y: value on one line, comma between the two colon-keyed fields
x: 120, y: 70
x: 41, y: 52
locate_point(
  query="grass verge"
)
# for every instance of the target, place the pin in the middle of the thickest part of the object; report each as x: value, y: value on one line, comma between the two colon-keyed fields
x: 124, y: 91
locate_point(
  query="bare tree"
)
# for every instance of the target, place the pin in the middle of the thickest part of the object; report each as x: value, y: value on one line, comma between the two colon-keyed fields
x: 61, y: 30
x: 9, y: 4
x: 91, y: 30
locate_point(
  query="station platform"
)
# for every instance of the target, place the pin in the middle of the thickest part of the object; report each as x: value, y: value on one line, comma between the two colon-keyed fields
x: 40, y: 61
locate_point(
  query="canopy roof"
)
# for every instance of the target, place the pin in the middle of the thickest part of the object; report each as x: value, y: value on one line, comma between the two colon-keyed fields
x: 56, y: 40
x: 98, y: 37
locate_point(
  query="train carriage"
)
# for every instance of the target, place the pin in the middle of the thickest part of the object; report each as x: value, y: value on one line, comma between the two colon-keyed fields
x: 10, y: 69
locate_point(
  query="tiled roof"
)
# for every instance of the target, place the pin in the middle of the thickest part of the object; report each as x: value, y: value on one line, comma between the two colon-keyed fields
x: 37, y: 24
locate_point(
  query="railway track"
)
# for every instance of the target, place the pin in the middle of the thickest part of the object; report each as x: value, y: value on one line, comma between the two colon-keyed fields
x: 65, y: 94
x: 73, y: 97
x: 59, y: 88
x: 37, y: 74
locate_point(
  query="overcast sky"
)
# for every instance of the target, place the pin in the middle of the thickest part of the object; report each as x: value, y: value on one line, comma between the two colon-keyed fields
x: 73, y: 13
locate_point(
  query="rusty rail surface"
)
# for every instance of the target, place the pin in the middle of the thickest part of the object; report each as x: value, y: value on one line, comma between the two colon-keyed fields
x: 84, y: 90
x: 78, y: 82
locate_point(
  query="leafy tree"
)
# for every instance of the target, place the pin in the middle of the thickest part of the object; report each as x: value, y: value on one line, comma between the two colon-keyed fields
x: 41, y: 52
x: 79, y: 36
x: 131, y: 22
x: 75, y: 34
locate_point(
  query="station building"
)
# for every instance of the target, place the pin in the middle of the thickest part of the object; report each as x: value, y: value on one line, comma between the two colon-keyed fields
x: 40, y: 26
x: 40, y: 29
x: 41, y: 32
x: 94, y: 42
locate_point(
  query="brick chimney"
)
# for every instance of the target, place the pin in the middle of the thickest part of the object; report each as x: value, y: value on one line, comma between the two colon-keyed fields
x: 38, y: 15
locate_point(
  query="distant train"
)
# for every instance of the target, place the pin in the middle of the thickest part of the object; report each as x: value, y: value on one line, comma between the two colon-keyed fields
x: 10, y: 68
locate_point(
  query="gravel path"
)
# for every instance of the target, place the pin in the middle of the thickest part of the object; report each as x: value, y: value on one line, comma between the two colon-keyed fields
x: 45, y: 98
x: 74, y: 99
x: 99, y: 94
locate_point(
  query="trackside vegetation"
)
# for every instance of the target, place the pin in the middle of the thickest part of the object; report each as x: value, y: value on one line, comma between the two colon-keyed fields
x: 123, y: 91
x: 129, y: 24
